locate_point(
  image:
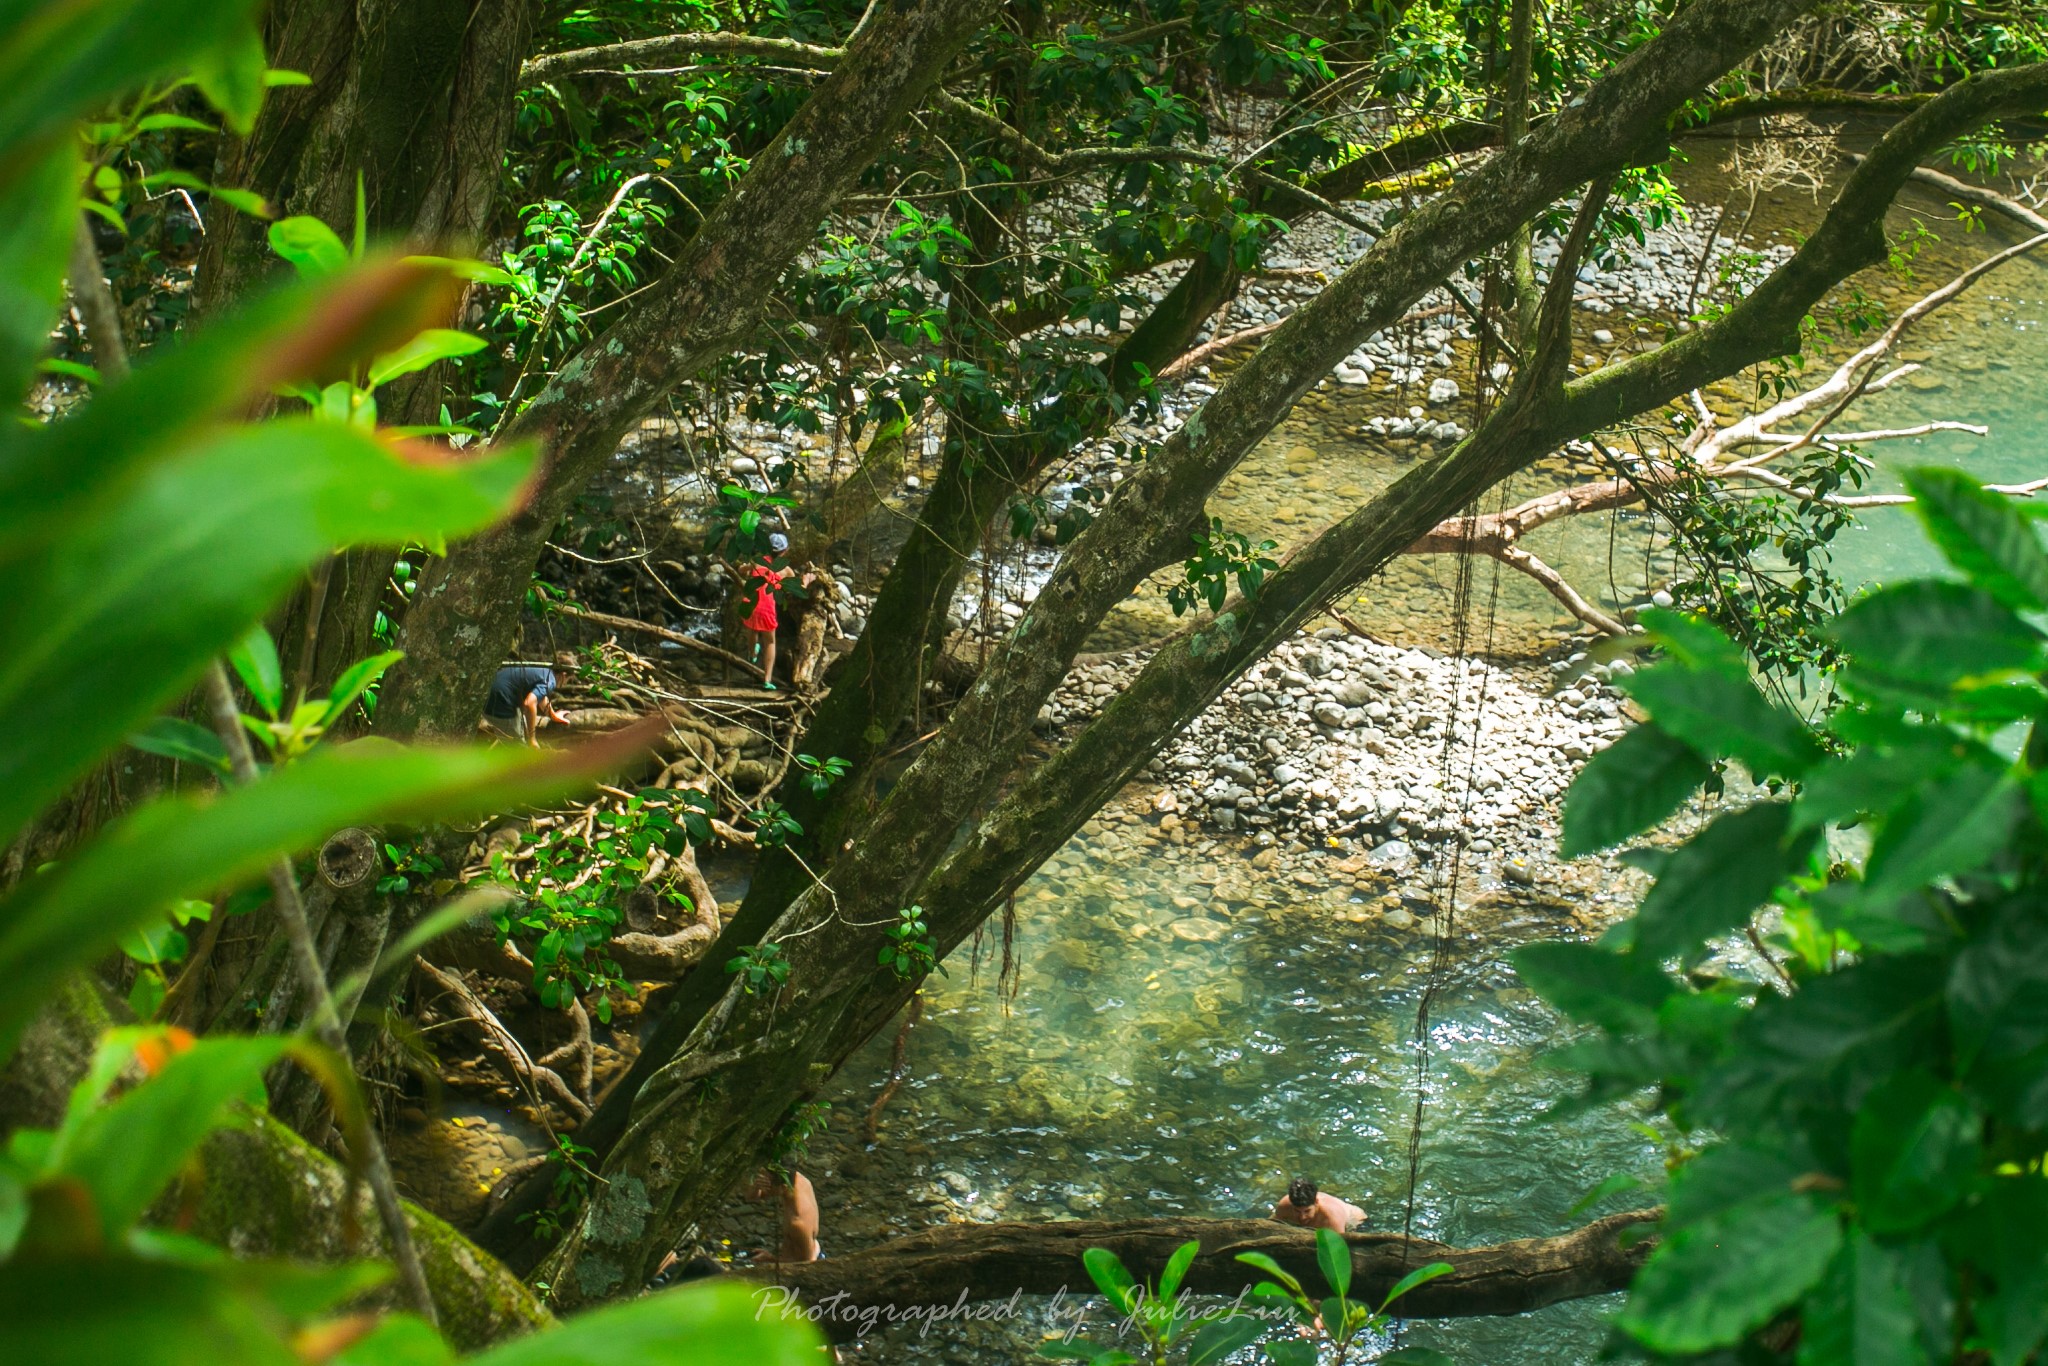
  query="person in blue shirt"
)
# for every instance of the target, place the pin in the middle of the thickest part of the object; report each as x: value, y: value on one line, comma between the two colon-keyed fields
x: 519, y: 693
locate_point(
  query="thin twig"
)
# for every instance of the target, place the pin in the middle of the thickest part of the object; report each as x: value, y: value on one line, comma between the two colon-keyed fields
x: 291, y: 910
x: 96, y: 306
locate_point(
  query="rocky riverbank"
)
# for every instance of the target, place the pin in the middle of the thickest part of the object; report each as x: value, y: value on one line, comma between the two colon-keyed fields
x: 1336, y: 741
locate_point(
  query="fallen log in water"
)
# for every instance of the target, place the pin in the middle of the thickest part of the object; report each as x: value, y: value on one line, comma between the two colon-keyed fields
x: 973, y: 1262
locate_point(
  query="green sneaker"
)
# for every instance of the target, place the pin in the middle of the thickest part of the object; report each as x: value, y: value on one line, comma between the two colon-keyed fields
x: 769, y: 687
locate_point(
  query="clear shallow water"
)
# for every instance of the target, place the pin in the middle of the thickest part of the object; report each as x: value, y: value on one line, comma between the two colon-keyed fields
x: 1168, y: 1052
x: 1142, y: 1069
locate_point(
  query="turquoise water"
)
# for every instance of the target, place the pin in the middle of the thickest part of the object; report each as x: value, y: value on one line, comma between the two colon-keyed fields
x: 1176, y: 1050
x: 1986, y: 362
x: 1187, y: 1033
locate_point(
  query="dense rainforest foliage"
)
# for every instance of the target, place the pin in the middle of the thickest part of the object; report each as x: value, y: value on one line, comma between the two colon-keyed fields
x: 356, y: 341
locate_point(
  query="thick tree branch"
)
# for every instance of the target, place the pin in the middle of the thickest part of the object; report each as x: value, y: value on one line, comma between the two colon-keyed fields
x: 1620, y: 120
x: 677, y: 47
x: 1181, y: 680
x: 700, y: 308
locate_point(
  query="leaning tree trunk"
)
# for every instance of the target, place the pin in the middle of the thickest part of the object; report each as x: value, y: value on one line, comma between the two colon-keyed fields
x: 703, y: 1119
x: 959, y: 1264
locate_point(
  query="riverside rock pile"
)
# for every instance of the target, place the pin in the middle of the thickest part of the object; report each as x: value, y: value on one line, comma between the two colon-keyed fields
x: 1335, y: 737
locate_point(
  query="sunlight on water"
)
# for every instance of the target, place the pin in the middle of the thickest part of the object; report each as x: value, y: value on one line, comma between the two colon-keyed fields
x: 1163, y: 1057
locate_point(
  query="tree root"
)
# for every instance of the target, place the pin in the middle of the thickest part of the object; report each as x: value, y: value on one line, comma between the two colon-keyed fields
x: 528, y: 1075
x: 577, y: 1050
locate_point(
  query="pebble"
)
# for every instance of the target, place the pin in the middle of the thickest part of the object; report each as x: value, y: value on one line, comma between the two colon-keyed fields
x: 1346, y: 739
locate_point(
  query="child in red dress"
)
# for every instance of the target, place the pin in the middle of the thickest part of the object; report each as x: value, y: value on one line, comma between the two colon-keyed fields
x: 762, y: 581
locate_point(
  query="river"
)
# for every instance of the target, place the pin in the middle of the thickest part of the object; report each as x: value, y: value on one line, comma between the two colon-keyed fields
x: 1142, y: 1069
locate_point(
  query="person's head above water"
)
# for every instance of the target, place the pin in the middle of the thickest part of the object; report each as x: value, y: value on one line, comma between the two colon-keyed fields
x: 1301, y: 1193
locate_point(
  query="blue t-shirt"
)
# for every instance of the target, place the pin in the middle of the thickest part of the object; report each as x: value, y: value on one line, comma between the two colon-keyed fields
x: 514, y: 684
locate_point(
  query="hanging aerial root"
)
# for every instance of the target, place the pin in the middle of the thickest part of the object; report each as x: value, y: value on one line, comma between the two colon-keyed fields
x: 871, y: 1126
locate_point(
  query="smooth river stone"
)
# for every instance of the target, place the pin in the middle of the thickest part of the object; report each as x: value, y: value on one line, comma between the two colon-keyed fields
x: 1198, y: 929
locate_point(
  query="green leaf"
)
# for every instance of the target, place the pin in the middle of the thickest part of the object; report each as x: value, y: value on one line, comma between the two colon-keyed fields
x: 125, y: 1152
x: 1627, y: 788
x: 1289, y: 1352
x: 1176, y: 1267
x: 165, y: 1308
x: 1213, y: 1342
x: 2006, y: 1235
x: 1617, y: 1183
x: 155, y: 944
x: 125, y: 610
x: 1725, y: 1176
x: 1913, y: 1152
x: 1617, y: 991
x: 255, y: 659
x: 38, y: 220
x: 151, y: 123
x: 693, y: 1325
x: 1998, y: 988
x: 188, y: 846
x: 397, y: 1340
x: 242, y: 201
x: 310, y: 245
x: 56, y: 473
x: 1955, y: 826
x: 1333, y: 1259
x: 1107, y: 1270
x: 1261, y: 1262
x: 1872, y: 779
x: 434, y: 344
x: 75, y: 57
x: 1862, y: 1311
x: 1929, y: 634
x: 462, y: 268
x: 1421, y: 1275
x: 230, y: 74
x: 1838, y: 1035
x: 1709, y: 1283
x: 1416, y: 1356
x: 1719, y: 712
x: 173, y: 737
x: 1982, y: 534
x: 1717, y: 879
x: 355, y: 679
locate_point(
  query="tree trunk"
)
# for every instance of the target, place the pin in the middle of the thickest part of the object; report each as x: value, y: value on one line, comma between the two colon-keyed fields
x: 415, y: 98
x: 701, y: 1121
x: 964, y: 1263
x: 701, y: 307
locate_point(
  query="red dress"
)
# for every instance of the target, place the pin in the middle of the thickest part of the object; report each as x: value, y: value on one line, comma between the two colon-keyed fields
x: 763, y: 617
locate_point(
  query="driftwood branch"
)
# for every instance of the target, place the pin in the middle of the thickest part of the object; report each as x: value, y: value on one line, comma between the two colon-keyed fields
x: 994, y: 1261
x: 659, y: 632
x: 1741, y: 452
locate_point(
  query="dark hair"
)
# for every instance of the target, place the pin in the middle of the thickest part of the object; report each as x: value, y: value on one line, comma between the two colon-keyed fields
x: 1301, y: 1192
